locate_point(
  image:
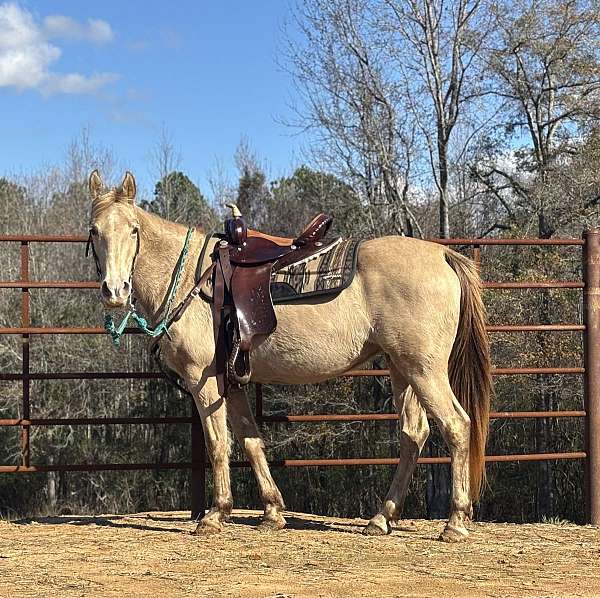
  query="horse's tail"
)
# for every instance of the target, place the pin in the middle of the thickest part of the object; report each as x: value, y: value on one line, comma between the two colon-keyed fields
x: 469, y: 367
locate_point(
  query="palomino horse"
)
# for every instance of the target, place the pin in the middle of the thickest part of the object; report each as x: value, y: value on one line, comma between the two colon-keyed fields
x: 415, y: 301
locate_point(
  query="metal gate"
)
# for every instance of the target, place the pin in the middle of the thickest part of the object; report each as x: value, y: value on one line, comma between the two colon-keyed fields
x: 590, y: 370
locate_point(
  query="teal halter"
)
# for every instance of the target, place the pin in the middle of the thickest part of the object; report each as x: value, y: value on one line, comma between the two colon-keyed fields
x: 116, y: 332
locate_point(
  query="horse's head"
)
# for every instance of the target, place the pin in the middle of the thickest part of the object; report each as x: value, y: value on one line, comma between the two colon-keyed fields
x: 114, y: 237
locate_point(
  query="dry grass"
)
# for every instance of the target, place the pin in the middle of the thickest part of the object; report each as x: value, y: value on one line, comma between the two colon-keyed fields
x: 154, y: 554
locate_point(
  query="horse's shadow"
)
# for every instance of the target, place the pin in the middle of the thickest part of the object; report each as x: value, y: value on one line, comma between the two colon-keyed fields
x: 145, y: 522
x: 297, y: 523
x: 116, y: 521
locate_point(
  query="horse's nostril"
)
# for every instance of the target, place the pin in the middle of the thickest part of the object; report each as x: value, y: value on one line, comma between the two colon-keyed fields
x: 127, y: 286
x: 105, y: 290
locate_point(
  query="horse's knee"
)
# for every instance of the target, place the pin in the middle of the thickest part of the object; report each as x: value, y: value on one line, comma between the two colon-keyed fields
x: 253, y: 445
x: 219, y: 452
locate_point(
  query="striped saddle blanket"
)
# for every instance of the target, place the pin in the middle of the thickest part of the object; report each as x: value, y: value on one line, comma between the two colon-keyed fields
x: 328, y: 271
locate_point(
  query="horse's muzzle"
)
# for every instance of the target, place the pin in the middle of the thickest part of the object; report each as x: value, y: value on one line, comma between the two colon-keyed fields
x: 115, y: 296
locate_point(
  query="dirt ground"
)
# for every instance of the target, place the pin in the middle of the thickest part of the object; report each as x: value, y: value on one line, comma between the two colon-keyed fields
x: 155, y: 555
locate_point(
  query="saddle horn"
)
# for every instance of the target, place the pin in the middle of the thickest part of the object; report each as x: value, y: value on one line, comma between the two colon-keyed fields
x: 236, y: 231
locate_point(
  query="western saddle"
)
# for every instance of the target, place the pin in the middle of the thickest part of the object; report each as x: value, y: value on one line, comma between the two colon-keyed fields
x: 243, y: 312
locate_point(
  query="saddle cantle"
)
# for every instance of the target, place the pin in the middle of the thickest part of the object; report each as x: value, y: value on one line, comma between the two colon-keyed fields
x: 243, y: 312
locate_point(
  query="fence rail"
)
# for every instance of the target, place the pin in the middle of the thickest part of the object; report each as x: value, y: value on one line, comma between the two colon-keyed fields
x: 590, y: 329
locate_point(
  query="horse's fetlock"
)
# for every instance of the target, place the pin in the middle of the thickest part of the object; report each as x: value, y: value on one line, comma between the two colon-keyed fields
x: 224, y: 506
x: 273, y: 499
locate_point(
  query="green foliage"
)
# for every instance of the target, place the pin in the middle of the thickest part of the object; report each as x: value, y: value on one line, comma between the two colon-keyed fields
x: 289, y: 203
x: 12, y: 201
x: 177, y: 199
x: 298, y: 198
x: 252, y: 193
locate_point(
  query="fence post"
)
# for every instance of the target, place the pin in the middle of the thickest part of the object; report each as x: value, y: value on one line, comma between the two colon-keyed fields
x: 591, y: 319
x: 25, y: 323
x: 198, y: 477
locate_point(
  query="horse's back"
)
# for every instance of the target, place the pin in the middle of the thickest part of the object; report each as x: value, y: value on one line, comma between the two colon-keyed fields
x: 413, y: 268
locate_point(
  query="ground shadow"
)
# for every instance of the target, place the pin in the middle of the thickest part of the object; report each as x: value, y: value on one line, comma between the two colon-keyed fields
x: 110, y: 521
x: 245, y: 519
x: 299, y: 523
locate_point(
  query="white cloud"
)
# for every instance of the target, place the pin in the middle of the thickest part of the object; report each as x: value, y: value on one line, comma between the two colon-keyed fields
x: 96, y: 31
x: 26, y: 53
x: 76, y: 83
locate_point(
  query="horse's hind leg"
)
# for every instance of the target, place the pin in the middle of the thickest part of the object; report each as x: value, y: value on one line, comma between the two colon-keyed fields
x: 435, y: 394
x: 244, y: 427
x: 214, y: 422
x: 414, y: 431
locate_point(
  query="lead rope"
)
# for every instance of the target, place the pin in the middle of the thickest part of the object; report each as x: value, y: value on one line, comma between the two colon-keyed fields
x: 116, y: 332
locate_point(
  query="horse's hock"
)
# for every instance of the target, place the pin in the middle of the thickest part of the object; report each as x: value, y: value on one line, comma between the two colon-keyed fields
x: 590, y: 329
x: 154, y: 554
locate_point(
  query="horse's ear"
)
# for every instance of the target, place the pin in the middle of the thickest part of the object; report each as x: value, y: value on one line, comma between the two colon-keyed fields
x: 128, y: 188
x: 95, y: 185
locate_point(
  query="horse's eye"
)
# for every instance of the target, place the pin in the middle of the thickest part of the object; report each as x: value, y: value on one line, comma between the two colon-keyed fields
x: 94, y: 231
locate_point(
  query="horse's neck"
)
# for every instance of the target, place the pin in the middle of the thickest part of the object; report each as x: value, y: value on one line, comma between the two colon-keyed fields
x: 161, y: 243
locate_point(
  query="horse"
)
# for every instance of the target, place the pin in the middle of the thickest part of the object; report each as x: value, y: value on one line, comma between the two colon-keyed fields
x: 415, y: 301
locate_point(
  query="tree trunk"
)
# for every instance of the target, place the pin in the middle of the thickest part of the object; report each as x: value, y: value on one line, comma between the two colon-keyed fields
x: 545, y: 402
x: 443, y: 190
x: 438, y: 486
x: 51, y: 486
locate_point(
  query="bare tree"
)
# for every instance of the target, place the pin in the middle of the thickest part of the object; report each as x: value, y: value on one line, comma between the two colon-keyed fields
x: 354, y: 106
x: 545, y: 61
x: 222, y: 189
x: 165, y: 159
x: 437, y: 51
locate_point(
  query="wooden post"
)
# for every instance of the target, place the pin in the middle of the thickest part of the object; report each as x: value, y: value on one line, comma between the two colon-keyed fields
x: 198, y: 477
x: 591, y: 319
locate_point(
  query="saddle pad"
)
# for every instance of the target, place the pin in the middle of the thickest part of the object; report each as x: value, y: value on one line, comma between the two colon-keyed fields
x: 329, y: 271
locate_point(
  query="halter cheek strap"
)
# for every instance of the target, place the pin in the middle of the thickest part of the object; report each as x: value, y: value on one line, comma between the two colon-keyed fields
x: 90, y: 245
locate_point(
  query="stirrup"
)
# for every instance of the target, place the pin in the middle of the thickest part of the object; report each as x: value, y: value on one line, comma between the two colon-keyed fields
x: 232, y: 373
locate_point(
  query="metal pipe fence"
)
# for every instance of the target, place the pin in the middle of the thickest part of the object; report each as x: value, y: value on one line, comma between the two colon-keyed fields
x: 590, y: 329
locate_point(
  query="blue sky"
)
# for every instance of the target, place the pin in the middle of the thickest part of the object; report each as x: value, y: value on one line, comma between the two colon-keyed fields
x: 205, y: 71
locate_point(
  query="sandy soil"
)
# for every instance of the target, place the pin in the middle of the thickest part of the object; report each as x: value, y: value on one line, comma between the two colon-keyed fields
x: 154, y: 555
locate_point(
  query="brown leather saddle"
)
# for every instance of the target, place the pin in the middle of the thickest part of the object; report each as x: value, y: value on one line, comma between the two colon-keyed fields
x: 243, y: 312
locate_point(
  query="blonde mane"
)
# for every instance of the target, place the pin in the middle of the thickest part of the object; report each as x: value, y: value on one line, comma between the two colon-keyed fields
x: 110, y: 199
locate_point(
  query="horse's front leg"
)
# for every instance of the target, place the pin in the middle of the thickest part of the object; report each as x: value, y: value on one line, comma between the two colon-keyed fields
x: 212, y: 410
x: 244, y: 427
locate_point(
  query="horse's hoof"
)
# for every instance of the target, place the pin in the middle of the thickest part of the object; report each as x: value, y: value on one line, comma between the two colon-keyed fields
x: 452, y: 535
x: 271, y: 525
x: 373, y: 529
x: 207, y: 529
